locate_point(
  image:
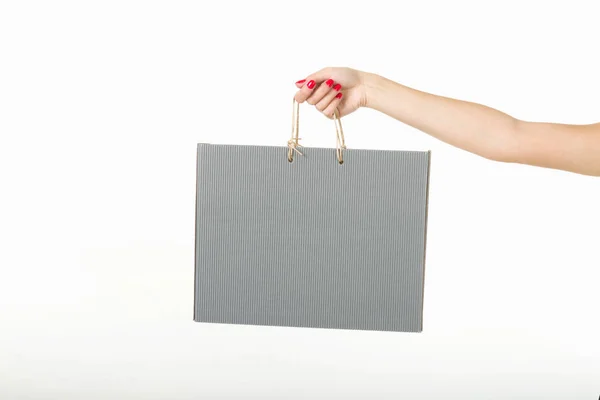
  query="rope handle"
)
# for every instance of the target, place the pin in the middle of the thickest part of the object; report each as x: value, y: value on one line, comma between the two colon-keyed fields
x: 294, y: 141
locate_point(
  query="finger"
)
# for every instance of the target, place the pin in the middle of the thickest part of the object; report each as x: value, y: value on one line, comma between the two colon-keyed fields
x: 318, y: 77
x: 328, y: 111
x: 323, y: 90
x: 328, y: 97
x: 305, y: 91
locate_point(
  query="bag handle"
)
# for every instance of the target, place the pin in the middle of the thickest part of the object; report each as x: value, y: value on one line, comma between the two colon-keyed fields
x: 293, y: 143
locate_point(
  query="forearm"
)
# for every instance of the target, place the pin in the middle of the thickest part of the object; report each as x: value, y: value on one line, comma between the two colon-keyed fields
x: 488, y: 132
x: 473, y: 127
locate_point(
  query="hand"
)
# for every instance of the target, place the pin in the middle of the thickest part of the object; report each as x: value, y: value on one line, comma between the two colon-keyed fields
x: 331, y: 88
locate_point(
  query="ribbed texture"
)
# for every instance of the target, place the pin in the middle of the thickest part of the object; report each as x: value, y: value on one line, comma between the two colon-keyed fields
x: 311, y: 243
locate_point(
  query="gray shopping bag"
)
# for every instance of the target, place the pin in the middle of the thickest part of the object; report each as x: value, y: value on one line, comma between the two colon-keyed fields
x: 329, y: 238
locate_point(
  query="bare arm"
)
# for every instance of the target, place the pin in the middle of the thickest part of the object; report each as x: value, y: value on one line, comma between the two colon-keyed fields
x: 488, y: 132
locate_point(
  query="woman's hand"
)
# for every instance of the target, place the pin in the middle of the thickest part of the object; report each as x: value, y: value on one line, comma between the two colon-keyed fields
x: 331, y: 88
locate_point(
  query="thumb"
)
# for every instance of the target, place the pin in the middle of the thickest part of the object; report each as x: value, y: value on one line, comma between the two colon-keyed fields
x: 344, y: 109
x: 318, y: 77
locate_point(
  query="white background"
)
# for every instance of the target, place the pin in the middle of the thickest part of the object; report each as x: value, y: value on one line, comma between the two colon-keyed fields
x: 101, y: 107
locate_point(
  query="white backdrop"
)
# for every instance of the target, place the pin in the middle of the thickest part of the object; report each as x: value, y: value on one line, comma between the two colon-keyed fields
x: 101, y: 107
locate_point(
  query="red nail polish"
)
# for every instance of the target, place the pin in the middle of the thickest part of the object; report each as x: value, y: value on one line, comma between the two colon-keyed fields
x: 311, y: 84
x: 338, y: 96
x: 337, y: 87
x: 329, y: 82
x: 300, y: 81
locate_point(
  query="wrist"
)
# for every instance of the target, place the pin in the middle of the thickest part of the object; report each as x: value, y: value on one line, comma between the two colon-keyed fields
x: 372, y: 84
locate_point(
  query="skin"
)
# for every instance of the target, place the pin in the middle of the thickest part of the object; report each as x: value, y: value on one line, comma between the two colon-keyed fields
x: 473, y: 127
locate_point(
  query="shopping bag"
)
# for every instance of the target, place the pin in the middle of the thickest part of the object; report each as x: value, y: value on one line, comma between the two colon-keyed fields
x: 311, y: 237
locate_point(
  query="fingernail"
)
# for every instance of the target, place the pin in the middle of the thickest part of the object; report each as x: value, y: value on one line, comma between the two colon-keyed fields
x: 338, y: 96
x: 300, y: 81
x: 329, y: 82
x: 311, y: 84
x: 337, y: 87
